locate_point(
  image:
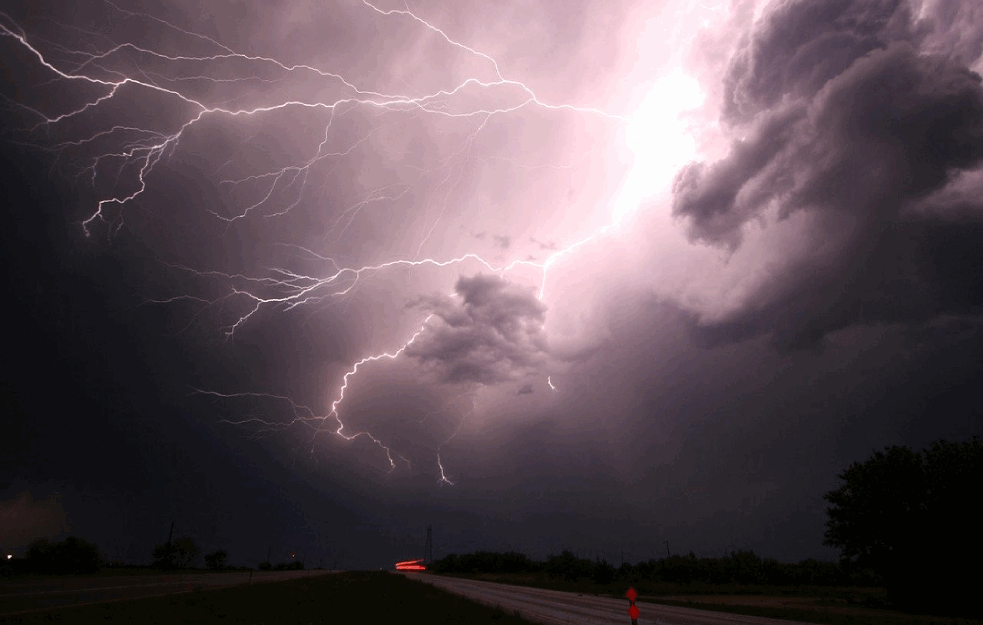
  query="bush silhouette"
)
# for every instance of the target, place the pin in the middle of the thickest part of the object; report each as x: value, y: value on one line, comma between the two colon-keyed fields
x: 296, y: 565
x: 216, y: 559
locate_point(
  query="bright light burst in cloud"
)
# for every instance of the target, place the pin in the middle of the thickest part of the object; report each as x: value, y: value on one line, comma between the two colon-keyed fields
x: 658, y: 139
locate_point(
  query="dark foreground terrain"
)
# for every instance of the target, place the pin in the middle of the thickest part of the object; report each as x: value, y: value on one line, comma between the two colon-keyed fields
x: 34, y: 592
x: 356, y: 597
x: 806, y: 604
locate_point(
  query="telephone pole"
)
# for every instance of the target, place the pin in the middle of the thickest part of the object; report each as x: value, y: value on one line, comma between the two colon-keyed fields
x: 428, y: 547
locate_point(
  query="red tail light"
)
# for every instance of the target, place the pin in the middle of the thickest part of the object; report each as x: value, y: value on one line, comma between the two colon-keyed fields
x: 411, y: 565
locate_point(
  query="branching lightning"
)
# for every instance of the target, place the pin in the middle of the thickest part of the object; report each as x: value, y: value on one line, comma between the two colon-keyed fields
x: 146, y: 148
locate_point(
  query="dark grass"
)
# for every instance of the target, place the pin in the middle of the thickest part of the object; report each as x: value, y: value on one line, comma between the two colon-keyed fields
x: 870, y: 617
x: 357, y: 597
x: 121, y: 571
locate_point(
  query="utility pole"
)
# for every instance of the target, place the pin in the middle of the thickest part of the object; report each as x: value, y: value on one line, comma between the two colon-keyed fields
x: 170, y: 533
x: 667, y: 548
x: 428, y: 547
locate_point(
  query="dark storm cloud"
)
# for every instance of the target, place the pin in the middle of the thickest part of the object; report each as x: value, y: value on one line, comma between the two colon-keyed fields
x: 801, y: 45
x: 878, y: 147
x: 502, y: 241
x: 526, y: 389
x: 709, y: 194
x: 492, y: 334
x: 548, y: 246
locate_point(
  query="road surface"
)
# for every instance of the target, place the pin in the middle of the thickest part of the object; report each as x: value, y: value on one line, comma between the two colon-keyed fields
x: 553, y: 607
x: 40, y: 594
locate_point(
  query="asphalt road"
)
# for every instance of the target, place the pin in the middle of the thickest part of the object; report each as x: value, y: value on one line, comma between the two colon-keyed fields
x: 40, y: 594
x: 553, y: 607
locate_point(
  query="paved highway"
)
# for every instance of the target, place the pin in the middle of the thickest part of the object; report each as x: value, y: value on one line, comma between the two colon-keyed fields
x: 553, y: 607
x: 41, y: 594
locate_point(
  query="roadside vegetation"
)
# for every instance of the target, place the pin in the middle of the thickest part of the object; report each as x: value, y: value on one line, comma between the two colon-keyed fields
x: 738, y: 573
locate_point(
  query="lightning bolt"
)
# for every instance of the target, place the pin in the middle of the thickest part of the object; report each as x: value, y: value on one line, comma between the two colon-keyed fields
x: 460, y: 424
x: 443, y: 476
x: 144, y: 150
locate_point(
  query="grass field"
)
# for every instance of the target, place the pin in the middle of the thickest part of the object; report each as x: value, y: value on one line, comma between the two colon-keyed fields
x: 359, y: 597
x: 825, y: 614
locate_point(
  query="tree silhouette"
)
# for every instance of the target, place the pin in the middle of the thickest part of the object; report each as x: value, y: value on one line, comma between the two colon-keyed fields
x: 875, y: 515
x: 216, y: 559
x: 912, y: 517
x: 180, y: 553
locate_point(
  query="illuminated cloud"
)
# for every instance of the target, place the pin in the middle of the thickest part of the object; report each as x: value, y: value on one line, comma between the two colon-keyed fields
x: 836, y: 155
x: 491, y: 333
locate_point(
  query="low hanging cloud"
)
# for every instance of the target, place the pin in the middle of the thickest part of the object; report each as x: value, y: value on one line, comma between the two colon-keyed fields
x: 491, y: 332
x: 866, y: 124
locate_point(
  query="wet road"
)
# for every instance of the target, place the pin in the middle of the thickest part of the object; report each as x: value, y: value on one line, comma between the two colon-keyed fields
x: 553, y: 607
x: 38, y: 594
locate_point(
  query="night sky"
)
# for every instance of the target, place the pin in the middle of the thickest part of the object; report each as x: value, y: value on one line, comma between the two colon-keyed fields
x: 544, y: 275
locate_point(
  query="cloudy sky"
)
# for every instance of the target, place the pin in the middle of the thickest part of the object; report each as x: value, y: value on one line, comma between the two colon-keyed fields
x: 542, y: 275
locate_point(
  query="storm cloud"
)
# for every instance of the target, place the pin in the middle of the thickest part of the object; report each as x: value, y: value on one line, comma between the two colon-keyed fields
x: 492, y: 332
x: 516, y: 271
x: 878, y: 149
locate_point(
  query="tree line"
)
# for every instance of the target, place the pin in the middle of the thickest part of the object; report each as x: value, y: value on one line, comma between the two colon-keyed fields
x: 75, y: 556
x: 739, y: 567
